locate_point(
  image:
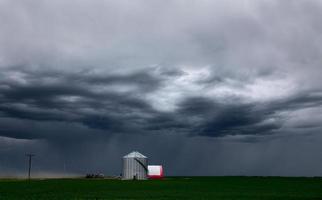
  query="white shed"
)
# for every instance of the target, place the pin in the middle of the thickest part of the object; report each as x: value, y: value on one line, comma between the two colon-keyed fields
x: 155, y: 171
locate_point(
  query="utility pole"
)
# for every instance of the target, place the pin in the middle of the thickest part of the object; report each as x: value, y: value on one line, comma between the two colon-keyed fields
x: 29, y: 170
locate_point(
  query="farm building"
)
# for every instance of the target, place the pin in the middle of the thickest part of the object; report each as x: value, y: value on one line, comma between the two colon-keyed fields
x: 135, y: 166
x: 155, y: 171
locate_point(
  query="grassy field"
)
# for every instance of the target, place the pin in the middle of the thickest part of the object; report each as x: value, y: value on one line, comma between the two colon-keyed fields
x: 169, y: 188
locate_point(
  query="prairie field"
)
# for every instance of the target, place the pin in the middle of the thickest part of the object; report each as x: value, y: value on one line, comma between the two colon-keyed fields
x: 283, y: 188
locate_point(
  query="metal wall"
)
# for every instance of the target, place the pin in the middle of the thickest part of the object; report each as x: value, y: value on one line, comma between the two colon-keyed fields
x: 132, y: 168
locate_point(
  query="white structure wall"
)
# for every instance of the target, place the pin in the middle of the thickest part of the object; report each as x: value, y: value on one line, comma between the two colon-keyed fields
x: 135, y: 166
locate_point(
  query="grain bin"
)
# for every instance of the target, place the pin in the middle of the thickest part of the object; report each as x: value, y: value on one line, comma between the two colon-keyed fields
x: 135, y: 166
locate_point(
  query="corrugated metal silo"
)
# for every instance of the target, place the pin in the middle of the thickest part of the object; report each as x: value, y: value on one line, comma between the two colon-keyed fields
x: 135, y: 166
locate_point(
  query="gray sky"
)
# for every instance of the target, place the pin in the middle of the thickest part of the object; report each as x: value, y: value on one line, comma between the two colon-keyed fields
x: 203, y: 87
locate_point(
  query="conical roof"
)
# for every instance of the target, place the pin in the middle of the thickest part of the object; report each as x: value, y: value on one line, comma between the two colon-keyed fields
x: 134, y: 154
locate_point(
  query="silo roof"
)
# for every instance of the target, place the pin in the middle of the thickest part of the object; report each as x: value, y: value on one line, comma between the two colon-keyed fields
x: 134, y: 154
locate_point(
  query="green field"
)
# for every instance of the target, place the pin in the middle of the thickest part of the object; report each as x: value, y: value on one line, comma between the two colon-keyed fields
x: 169, y: 188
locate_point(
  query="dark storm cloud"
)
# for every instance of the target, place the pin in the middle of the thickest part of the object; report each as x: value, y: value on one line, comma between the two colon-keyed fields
x: 73, y: 98
x: 42, y: 100
x: 303, y: 100
x: 237, y: 82
x: 219, y: 119
x: 18, y: 133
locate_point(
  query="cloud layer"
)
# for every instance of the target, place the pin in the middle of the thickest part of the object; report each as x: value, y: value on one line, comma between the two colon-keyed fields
x: 204, y: 73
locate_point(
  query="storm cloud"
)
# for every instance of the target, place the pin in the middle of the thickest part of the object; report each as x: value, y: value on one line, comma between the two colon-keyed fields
x: 163, y: 78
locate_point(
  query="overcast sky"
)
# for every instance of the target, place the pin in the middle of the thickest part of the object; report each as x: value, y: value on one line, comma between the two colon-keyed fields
x: 202, y: 87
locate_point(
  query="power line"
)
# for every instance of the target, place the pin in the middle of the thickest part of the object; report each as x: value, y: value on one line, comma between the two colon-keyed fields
x: 29, y: 169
